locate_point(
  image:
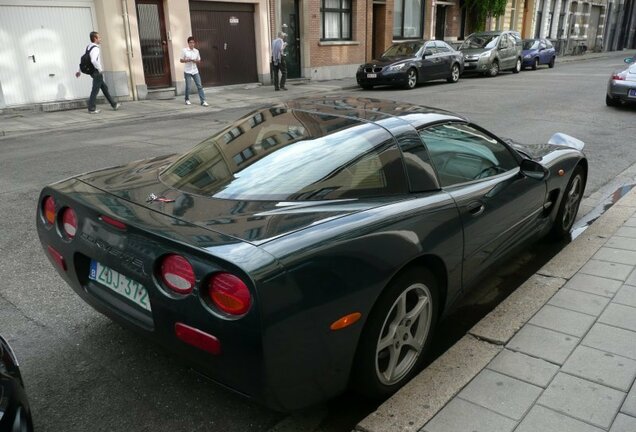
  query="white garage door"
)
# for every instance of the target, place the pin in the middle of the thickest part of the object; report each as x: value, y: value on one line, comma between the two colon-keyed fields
x: 40, y: 47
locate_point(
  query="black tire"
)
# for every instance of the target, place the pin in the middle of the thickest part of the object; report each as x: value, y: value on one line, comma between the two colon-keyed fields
x: 610, y: 101
x: 493, y: 71
x: 551, y: 64
x: 454, y: 74
x: 517, y: 67
x: 535, y: 64
x: 367, y: 86
x: 397, y: 335
x: 411, y: 79
x: 569, y: 207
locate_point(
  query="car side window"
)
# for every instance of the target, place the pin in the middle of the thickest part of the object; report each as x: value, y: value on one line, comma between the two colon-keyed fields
x: 504, y: 41
x: 430, y: 47
x: 548, y: 44
x: 461, y: 153
x: 442, y: 47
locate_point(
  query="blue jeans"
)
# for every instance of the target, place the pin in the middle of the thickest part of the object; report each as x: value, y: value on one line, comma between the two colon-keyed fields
x: 197, y: 81
x: 98, y: 84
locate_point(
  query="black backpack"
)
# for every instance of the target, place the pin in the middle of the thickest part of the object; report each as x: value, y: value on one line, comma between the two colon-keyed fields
x: 86, y: 65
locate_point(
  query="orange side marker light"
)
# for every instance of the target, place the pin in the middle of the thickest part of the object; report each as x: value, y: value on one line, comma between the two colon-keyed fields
x: 345, y: 321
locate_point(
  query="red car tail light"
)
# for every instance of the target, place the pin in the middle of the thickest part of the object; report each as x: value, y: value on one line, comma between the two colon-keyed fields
x: 618, y: 77
x: 69, y: 222
x: 48, y: 210
x: 177, y: 274
x: 230, y: 294
x: 197, y: 338
x: 113, y: 222
x: 57, y: 257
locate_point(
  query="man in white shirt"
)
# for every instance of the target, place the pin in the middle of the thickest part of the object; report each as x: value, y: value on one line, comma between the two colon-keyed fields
x: 190, y: 56
x: 278, y: 60
x: 98, y: 78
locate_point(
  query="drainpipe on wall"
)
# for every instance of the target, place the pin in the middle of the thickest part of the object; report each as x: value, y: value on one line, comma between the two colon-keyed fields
x: 129, y: 53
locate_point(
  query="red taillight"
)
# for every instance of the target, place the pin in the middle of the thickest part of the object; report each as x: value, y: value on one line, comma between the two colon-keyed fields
x: 114, y: 222
x: 69, y: 222
x: 177, y: 274
x: 57, y: 257
x: 197, y: 338
x: 618, y: 76
x: 230, y: 294
x: 48, y: 209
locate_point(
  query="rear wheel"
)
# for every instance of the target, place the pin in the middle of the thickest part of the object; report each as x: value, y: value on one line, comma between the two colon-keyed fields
x: 569, y: 207
x: 493, y: 71
x: 610, y: 101
x: 397, y: 334
x: 454, y: 74
x: 411, y: 79
x: 535, y: 64
x: 517, y: 67
x: 551, y: 64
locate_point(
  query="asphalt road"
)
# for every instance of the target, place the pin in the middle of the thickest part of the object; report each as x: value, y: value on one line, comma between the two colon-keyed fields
x: 85, y: 373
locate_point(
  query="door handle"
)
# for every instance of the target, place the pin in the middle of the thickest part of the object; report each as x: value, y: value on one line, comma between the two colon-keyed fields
x: 475, y: 208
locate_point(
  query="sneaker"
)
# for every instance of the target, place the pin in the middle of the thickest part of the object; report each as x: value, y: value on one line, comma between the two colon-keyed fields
x: 95, y: 111
x: 188, y: 102
x: 205, y: 104
x: 116, y: 106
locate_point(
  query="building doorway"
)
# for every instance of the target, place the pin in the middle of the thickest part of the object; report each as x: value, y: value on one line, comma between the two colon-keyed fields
x: 440, y: 22
x: 291, y: 25
x: 154, y: 44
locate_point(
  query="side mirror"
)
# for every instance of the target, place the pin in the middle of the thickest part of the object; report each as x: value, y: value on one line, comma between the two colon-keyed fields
x: 427, y: 53
x: 533, y: 169
x: 629, y: 60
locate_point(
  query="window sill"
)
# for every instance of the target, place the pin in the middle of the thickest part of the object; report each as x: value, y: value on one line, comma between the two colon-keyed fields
x: 337, y: 43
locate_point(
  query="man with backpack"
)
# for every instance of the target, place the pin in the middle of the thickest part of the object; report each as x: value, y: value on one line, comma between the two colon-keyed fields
x: 90, y: 64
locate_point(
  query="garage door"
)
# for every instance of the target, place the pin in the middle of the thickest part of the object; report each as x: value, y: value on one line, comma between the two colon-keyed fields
x: 226, y: 39
x: 40, y: 49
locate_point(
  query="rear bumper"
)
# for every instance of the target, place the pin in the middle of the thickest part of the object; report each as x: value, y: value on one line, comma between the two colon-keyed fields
x: 620, y: 90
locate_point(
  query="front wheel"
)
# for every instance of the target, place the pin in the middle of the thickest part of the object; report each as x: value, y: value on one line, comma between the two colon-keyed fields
x: 551, y: 64
x: 569, y: 207
x: 517, y: 67
x: 493, y: 71
x: 535, y: 64
x: 397, y: 334
x: 454, y: 74
x: 411, y: 79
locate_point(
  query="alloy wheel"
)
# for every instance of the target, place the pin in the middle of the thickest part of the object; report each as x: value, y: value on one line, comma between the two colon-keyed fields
x: 572, y: 198
x: 411, y: 77
x: 454, y: 75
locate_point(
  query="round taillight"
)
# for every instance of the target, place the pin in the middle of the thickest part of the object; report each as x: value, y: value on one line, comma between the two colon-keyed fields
x: 177, y: 274
x: 48, y: 209
x: 230, y: 294
x: 69, y: 222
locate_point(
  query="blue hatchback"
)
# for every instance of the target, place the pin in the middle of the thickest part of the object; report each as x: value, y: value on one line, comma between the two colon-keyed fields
x: 536, y: 52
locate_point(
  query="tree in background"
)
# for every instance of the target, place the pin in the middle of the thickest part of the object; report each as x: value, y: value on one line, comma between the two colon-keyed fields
x: 479, y: 10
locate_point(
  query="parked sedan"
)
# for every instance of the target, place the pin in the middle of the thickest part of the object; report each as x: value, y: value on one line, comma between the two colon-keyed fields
x: 490, y: 52
x: 310, y: 245
x: 538, y: 52
x: 15, y: 414
x: 409, y: 63
x: 621, y: 87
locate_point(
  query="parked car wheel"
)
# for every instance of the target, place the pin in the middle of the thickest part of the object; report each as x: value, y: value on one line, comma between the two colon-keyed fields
x: 517, y: 67
x: 551, y: 64
x: 610, y: 101
x: 535, y: 64
x: 397, y: 334
x: 569, y: 207
x: 454, y: 74
x: 411, y: 79
x: 493, y: 71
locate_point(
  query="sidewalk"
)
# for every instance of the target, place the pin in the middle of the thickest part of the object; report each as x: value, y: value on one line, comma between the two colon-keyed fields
x: 558, y: 355
x: 19, y: 122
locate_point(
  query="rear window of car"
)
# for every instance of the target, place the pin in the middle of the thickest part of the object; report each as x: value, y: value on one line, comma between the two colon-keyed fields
x: 281, y: 154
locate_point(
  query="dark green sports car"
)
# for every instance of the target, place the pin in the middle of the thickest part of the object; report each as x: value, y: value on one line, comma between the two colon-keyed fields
x: 310, y: 245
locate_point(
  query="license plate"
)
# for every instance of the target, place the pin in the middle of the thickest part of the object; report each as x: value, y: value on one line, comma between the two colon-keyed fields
x: 632, y: 93
x: 119, y: 283
x: 372, y: 75
x: 466, y: 64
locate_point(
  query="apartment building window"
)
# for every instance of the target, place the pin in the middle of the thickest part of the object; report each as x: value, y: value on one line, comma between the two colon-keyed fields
x: 513, y: 15
x: 336, y: 19
x: 408, y: 16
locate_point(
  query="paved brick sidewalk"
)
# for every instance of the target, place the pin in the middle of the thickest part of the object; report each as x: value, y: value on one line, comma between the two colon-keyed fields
x: 559, y: 355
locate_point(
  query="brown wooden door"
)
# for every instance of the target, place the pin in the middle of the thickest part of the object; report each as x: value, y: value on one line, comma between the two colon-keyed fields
x: 154, y: 44
x: 225, y: 38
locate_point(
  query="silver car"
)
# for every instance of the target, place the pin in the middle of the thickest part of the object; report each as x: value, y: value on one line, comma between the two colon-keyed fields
x: 492, y: 51
x: 621, y: 87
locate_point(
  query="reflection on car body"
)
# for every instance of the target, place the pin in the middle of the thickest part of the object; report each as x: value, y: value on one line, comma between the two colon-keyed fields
x: 322, y: 257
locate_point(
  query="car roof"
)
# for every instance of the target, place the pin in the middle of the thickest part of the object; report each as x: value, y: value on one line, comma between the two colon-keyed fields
x: 371, y: 109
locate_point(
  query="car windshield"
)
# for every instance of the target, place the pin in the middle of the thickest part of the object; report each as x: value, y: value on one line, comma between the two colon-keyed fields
x: 480, y: 40
x: 530, y: 44
x: 281, y: 154
x: 404, y: 49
